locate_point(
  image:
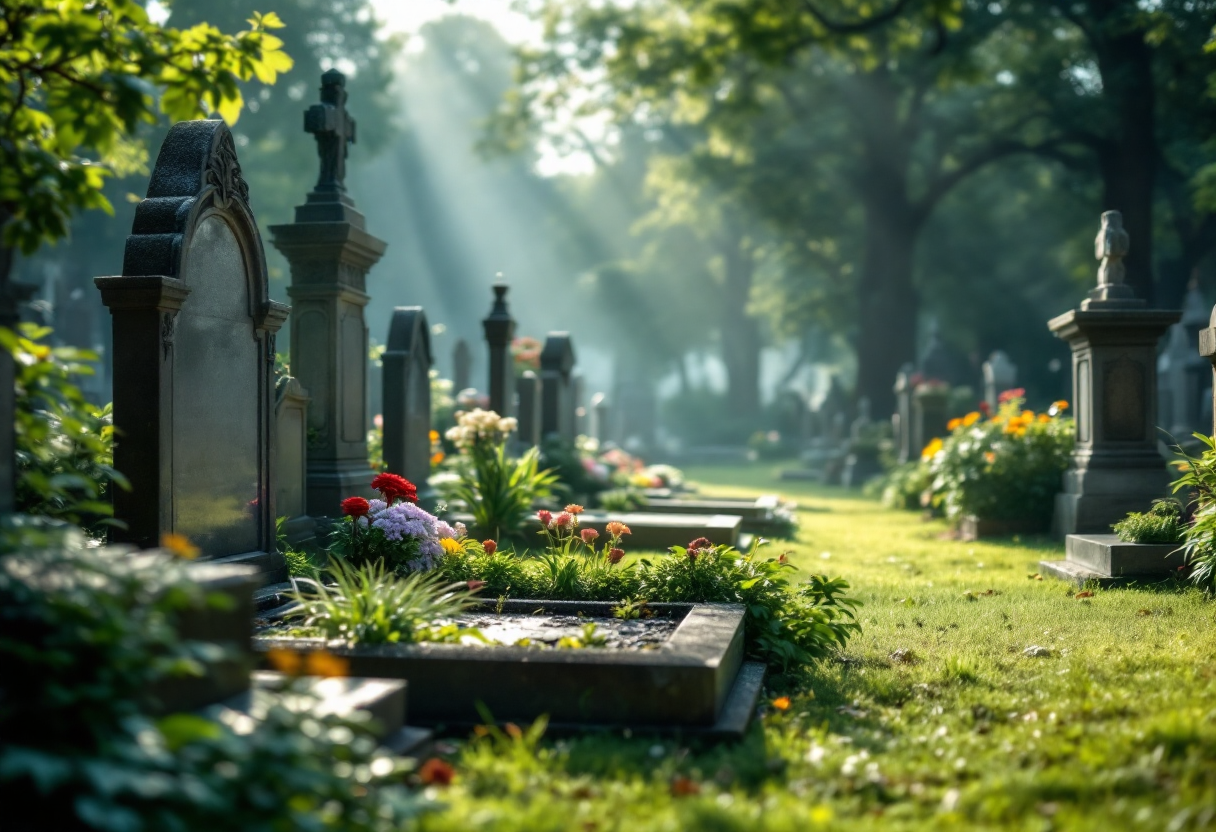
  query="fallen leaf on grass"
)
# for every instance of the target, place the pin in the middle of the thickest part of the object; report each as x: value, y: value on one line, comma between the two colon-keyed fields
x: 1035, y: 577
x: 1084, y: 594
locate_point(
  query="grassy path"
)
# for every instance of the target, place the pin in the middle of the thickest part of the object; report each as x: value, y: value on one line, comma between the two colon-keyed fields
x: 936, y: 718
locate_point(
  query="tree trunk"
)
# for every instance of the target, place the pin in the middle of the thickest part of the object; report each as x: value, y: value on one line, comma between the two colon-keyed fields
x: 1128, y: 160
x: 888, y: 304
x: 740, y: 334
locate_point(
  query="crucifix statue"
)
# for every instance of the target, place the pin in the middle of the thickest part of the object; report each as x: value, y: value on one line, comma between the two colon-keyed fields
x: 334, y: 129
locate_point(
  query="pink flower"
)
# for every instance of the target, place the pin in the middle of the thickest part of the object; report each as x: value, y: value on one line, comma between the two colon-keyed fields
x: 615, y: 555
x: 544, y: 517
x: 589, y: 535
x: 563, y: 519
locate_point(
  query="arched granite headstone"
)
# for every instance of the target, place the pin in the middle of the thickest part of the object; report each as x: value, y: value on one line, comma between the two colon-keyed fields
x: 194, y: 346
x: 407, y: 396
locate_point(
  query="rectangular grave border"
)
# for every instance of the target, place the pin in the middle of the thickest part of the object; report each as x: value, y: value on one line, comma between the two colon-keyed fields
x: 697, y: 683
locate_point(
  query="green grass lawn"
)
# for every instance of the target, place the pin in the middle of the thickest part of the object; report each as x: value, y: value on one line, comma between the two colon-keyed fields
x: 934, y: 718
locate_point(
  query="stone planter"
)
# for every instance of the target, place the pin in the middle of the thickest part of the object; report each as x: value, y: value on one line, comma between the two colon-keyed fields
x: 977, y: 528
x: 693, y: 682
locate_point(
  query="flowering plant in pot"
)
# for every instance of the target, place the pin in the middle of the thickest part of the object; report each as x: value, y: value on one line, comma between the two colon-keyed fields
x: 393, y: 529
x: 498, y: 490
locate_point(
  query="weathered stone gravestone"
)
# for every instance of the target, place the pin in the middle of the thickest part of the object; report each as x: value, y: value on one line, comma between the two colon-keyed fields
x: 901, y: 420
x: 330, y: 253
x: 499, y: 328
x: 557, y: 389
x: 580, y: 409
x: 1183, y: 374
x: 862, y: 463
x: 528, y: 386
x: 1000, y: 374
x: 291, y: 459
x: 600, y: 414
x: 194, y: 347
x: 1116, y: 467
x: 462, y: 364
x: 930, y: 413
x: 407, y: 396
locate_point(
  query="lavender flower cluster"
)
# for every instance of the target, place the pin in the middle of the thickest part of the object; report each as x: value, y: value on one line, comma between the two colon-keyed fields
x: 404, y: 520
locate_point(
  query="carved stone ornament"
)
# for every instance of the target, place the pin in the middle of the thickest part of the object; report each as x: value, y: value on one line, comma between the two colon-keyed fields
x: 224, y: 174
x: 1111, y: 246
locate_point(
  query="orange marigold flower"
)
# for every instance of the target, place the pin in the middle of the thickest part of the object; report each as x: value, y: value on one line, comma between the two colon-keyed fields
x: 287, y: 662
x: 616, y: 528
x: 990, y: 457
x: 327, y: 665
x: 954, y: 424
x: 436, y: 772
x: 1044, y: 418
x: 782, y: 703
x: 179, y: 545
x: 971, y: 418
x: 574, y: 509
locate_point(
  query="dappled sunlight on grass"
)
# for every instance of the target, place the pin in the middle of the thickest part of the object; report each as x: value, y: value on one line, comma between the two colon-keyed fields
x: 977, y: 697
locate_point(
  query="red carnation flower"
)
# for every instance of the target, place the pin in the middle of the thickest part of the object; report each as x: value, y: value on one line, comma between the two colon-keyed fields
x: 394, y: 487
x: 589, y: 535
x: 615, y: 555
x: 490, y: 546
x: 545, y: 517
x: 355, y: 507
x: 701, y: 544
x: 564, y: 519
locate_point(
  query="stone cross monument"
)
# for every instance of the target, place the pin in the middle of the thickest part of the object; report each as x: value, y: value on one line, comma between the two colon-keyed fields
x: 194, y: 350
x: 330, y: 253
x: 1116, y: 467
x: 499, y: 328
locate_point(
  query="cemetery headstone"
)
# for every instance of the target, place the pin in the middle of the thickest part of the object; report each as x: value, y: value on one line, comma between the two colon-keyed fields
x: 194, y: 349
x: 600, y: 411
x: 291, y: 459
x: 901, y: 420
x: 1116, y: 467
x: 407, y: 396
x: 1000, y: 374
x: 462, y: 361
x: 930, y: 413
x: 862, y: 463
x: 330, y: 253
x: 499, y: 328
x: 1184, y: 374
x: 580, y: 409
x: 556, y: 385
x: 529, y: 409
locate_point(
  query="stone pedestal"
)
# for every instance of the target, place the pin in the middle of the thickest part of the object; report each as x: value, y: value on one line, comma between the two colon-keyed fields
x: 291, y: 460
x: 1116, y: 467
x: 1105, y: 559
x: 499, y: 328
x: 330, y: 253
x: 528, y: 386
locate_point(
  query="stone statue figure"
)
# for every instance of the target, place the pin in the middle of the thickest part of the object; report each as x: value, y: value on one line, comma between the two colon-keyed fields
x: 334, y: 129
x: 1110, y: 246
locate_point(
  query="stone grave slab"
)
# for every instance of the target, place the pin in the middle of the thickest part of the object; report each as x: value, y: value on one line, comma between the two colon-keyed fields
x: 194, y: 346
x: 659, y: 531
x: 758, y: 515
x: 1105, y: 559
x: 693, y: 681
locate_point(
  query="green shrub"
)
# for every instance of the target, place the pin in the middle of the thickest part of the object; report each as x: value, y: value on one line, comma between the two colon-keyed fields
x: 623, y: 499
x: 1198, y: 475
x: 1004, y: 468
x: 1163, y: 523
x: 904, y: 485
x: 86, y: 635
x: 65, y: 444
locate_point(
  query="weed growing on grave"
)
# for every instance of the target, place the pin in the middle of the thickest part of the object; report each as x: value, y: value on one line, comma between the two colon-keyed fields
x: 1163, y: 523
x: 1198, y: 476
x: 370, y: 605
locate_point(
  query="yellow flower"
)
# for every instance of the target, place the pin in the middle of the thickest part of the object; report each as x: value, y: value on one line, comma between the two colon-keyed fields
x: 782, y: 703
x: 932, y: 449
x: 954, y: 424
x: 970, y: 419
x: 1044, y: 418
x: 450, y: 545
x: 1027, y: 415
x: 1060, y: 405
x: 434, y: 436
x: 179, y: 545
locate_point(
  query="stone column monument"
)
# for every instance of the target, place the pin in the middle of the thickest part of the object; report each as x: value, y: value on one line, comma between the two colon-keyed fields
x: 330, y: 252
x: 407, y: 396
x: 291, y: 460
x: 1000, y: 374
x: 194, y: 347
x: 499, y: 328
x: 1116, y: 467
